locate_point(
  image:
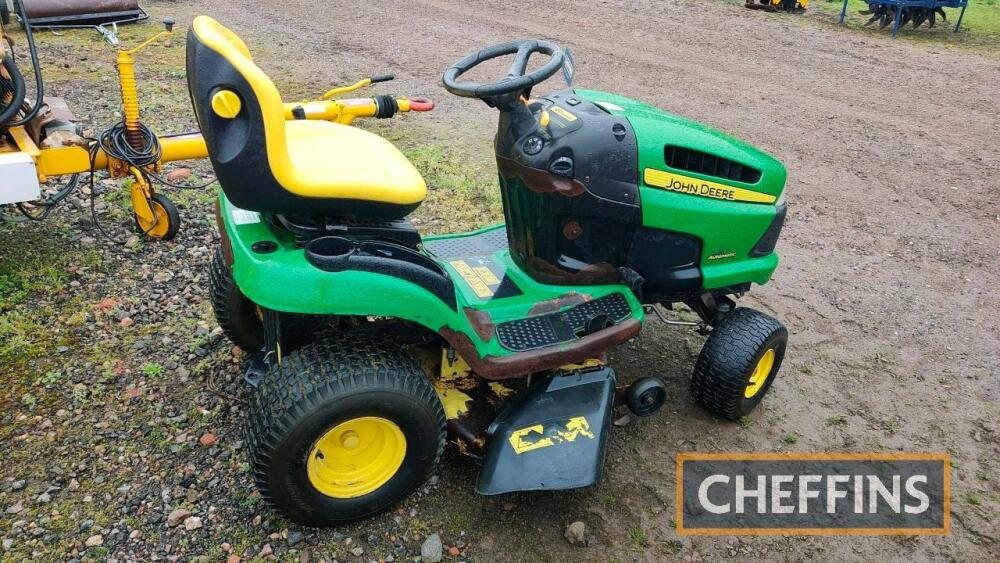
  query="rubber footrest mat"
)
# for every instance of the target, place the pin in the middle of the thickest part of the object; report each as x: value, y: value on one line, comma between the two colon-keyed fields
x: 562, y: 326
x: 473, y: 245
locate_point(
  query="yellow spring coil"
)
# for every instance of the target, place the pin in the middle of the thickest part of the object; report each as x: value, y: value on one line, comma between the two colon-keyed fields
x: 130, y: 99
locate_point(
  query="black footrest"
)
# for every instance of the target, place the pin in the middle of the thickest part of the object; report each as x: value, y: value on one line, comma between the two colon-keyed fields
x: 562, y: 326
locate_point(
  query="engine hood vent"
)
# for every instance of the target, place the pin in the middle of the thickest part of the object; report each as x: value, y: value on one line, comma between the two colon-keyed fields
x: 691, y: 160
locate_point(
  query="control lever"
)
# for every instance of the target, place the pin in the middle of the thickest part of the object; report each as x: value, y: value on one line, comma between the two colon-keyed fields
x: 109, y: 35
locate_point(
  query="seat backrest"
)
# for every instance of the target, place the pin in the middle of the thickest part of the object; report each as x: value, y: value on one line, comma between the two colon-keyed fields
x: 241, y: 116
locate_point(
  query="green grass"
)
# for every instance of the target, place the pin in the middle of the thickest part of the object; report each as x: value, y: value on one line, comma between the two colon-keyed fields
x: 638, y: 537
x: 459, y: 197
x: 670, y: 547
x: 791, y: 438
x: 836, y: 420
x: 23, y: 272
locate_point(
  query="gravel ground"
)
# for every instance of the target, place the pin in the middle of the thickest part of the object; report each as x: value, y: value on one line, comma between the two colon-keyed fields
x: 120, y: 402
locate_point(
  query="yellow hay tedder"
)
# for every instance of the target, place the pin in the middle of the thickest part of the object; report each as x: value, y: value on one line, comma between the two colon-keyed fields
x: 40, y: 141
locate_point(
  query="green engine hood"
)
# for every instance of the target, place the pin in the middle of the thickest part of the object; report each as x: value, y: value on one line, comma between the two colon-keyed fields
x: 656, y: 129
x: 729, y: 208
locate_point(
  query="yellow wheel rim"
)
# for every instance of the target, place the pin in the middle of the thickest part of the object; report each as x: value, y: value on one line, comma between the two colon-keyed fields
x: 356, y: 457
x: 760, y: 374
x: 161, y: 224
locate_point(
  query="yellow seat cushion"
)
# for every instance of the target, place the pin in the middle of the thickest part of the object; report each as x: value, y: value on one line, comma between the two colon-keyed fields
x: 329, y: 160
x: 314, y: 159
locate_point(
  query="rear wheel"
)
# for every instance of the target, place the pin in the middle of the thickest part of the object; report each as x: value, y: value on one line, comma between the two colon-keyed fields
x: 237, y: 316
x: 738, y: 363
x: 343, y: 429
x: 241, y: 320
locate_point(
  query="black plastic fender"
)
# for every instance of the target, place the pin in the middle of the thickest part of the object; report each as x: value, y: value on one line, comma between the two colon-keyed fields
x: 551, y: 437
x: 336, y: 254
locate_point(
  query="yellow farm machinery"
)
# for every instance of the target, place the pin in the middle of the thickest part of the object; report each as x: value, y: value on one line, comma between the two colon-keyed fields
x: 40, y: 140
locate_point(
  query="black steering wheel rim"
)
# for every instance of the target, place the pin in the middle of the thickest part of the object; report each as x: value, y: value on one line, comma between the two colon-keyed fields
x: 516, y: 80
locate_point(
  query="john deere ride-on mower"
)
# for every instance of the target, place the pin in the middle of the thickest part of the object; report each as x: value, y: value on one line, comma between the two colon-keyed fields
x: 373, y: 346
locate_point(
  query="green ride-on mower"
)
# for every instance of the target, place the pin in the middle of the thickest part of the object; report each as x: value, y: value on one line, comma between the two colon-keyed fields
x: 372, y: 346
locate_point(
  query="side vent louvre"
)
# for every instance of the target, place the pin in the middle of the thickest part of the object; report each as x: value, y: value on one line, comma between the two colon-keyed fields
x: 703, y: 163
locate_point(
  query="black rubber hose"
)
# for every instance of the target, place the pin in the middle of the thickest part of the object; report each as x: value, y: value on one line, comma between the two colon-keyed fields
x: 36, y: 68
x: 18, y: 92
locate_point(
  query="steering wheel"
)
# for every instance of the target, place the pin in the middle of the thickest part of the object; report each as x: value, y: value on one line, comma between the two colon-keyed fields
x: 516, y: 80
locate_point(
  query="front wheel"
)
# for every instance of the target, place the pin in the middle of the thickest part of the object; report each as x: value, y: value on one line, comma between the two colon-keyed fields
x: 738, y: 363
x: 166, y: 219
x: 342, y: 429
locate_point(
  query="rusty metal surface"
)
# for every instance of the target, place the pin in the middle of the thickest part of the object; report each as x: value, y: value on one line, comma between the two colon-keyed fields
x: 591, y: 274
x: 469, y: 428
x: 481, y: 322
x: 61, y: 8
x: 568, y: 299
x: 524, y: 363
x: 540, y: 181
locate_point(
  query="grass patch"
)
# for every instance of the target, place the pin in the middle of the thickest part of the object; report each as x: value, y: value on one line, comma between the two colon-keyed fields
x: 152, y: 369
x: 836, y: 420
x: 19, y: 333
x: 460, y: 196
x: 791, y: 438
x: 24, y: 272
x: 638, y: 537
x: 670, y: 547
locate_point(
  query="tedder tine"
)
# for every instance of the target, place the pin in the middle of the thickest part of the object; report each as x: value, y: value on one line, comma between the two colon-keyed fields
x: 886, y: 19
x: 904, y: 18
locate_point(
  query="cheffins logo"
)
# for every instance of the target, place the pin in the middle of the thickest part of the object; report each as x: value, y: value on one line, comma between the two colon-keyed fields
x: 813, y: 494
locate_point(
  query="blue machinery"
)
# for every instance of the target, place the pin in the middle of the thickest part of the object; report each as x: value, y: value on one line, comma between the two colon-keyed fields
x: 901, y: 5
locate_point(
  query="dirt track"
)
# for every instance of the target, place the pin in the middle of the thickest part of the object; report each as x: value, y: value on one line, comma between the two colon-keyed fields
x: 889, y: 279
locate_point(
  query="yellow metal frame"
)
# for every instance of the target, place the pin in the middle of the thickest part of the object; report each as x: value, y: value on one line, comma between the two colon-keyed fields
x: 69, y: 160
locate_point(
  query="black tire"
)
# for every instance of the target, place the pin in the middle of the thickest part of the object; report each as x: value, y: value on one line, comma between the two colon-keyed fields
x: 321, y: 385
x: 4, y: 12
x: 240, y: 321
x: 236, y: 315
x: 724, y: 368
x: 164, y: 209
